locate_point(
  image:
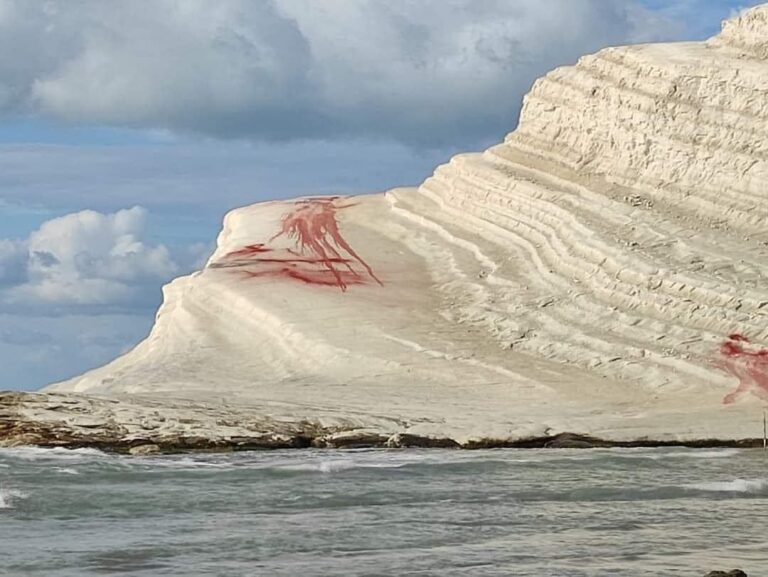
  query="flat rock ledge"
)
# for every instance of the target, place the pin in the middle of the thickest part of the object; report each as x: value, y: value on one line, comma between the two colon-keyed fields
x: 142, y: 425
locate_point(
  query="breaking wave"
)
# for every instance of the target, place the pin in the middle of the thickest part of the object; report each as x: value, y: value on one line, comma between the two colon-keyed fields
x: 66, y: 470
x: 698, y: 454
x: 33, y: 453
x: 10, y: 496
x: 753, y: 486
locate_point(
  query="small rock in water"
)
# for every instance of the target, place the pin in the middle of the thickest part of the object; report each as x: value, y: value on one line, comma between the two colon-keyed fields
x: 149, y: 449
x: 734, y: 573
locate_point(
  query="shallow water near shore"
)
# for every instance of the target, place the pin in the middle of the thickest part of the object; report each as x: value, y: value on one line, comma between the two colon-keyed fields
x: 632, y: 512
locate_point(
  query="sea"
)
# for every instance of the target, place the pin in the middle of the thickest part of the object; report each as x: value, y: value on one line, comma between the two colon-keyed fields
x: 399, y: 512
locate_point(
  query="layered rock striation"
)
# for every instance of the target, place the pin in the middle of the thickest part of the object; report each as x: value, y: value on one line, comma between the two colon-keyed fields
x: 603, y: 272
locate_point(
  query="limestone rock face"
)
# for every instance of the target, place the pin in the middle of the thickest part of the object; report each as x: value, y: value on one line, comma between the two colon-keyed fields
x: 603, y: 271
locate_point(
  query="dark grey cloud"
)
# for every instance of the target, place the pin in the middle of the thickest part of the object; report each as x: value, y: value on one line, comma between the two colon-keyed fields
x: 427, y: 72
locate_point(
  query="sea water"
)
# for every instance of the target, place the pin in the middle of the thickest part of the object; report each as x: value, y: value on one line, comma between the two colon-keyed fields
x: 617, y: 512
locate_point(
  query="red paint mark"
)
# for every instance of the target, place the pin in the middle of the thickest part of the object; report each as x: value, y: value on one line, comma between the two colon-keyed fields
x: 248, y: 250
x: 749, y: 366
x: 739, y: 338
x: 320, y: 255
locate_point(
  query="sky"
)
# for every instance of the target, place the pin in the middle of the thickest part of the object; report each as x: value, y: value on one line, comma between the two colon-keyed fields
x: 128, y: 129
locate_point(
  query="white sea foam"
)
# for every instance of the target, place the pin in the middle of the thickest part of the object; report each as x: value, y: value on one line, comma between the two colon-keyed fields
x: 337, y: 465
x: 33, y: 453
x: 681, y: 454
x: 378, y: 459
x: 734, y: 486
x: 183, y: 463
x: 699, y: 454
x: 9, y: 496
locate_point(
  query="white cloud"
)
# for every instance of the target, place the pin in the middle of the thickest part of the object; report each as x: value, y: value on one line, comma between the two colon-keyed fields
x: 80, y: 290
x: 85, y: 258
x: 426, y: 72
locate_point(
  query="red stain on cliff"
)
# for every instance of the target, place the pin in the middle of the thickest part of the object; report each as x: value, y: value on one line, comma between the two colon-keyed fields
x: 247, y: 251
x: 319, y: 256
x: 748, y: 365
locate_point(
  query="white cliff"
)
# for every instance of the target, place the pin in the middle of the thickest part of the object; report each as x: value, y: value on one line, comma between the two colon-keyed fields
x: 604, y: 271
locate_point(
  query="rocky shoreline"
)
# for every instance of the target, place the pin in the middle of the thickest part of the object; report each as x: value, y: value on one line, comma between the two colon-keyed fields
x: 144, y: 426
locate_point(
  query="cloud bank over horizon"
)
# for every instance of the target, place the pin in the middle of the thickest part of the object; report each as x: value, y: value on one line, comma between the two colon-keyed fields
x: 429, y: 73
